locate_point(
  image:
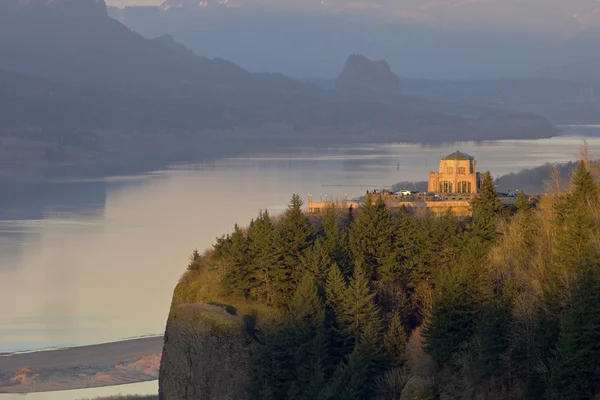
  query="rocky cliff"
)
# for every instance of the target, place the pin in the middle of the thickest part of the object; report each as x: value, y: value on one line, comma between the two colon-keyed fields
x: 362, y: 73
x: 205, y: 354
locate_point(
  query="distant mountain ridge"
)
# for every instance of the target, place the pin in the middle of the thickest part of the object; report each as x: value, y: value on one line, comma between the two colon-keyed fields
x: 87, y: 8
x: 75, y: 41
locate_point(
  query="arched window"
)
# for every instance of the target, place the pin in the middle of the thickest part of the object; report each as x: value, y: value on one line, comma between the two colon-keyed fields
x: 446, y: 187
x: 464, y: 187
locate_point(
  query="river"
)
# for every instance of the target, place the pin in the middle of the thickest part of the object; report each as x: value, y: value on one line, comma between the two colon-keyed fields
x: 91, y: 261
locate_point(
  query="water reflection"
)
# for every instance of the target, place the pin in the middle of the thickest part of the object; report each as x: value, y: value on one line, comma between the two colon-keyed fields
x: 93, y: 261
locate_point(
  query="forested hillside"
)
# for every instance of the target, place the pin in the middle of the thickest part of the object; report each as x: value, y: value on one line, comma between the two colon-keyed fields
x: 380, y: 303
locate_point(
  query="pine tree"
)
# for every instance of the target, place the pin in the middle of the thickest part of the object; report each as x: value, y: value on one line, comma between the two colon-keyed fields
x: 454, y: 317
x: 305, y: 321
x: 297, y: 235
x: 522, y: 204
x: 335, y: 238
x: 576, y: 226
x: 486, y: 210
x: 238, y: 278
x: 335, y: 289
x: 353, y: 379
x: 335, y: 295
x: 410, y: 266
x: 493, y: 338
x: 394, y: 342
x: 316, y: 261
x: 585, y: 188
x: 266, y: 253
x: 358, y: 313
x: 576, y: 370
x: 372, y: 240
x: 195, y: 261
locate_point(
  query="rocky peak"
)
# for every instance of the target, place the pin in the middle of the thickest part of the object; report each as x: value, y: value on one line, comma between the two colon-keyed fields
x: 362, y: 73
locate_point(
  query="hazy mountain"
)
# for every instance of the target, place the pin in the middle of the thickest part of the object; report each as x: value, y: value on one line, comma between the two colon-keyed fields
x: 313, y: 43
x: 444, y: 39
x: 361, y: 73
x: 75, y: 41
x: 585, y: 71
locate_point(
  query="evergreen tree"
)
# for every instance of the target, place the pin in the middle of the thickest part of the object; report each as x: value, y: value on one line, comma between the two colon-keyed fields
x: 296, y: 236
x: 585, y: 188
x: 335, y: 294
x: 410, y: 267
x: 349, y: 220
x: 335, y: 289
x: 394, y: 341
x: 238, y: 278
x: 316, y: 261
x: 493, y: 339
x: 195, y: 261
x: 486, y: 210
x: 522, y: 204
x: 576, y: 226
x: 353, y: 379
x: 372, y: 240
x: 358, y: 313
x: 335, y: 238
x: 576, y: 369
x: 305, y: 320
x: 266, y: 252
x: 454, y: 317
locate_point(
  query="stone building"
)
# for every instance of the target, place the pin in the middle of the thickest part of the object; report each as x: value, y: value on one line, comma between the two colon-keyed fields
x: 457, y: 174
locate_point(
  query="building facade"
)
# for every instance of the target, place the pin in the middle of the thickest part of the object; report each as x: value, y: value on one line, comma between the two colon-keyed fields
x: 457, y: 174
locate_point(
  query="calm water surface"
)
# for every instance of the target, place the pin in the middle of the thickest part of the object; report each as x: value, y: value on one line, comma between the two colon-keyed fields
x: 93, y: 261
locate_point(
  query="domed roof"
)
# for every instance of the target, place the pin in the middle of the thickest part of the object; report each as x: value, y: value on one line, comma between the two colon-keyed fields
x: 457, y: 155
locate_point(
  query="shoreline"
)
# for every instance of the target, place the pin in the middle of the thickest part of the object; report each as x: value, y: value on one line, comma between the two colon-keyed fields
x: 74, y: 346
x: 116, y: 363
x: 137, y: 153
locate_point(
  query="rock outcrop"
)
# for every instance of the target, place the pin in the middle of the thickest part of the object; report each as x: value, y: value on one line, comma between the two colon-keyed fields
x: 362, y: 73
x: 205, y: 354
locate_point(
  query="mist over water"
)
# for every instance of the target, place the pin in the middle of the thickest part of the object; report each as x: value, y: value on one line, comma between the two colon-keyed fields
x: 94, y: 261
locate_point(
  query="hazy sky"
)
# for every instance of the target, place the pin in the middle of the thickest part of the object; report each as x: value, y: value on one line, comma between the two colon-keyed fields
x: 544, y: 14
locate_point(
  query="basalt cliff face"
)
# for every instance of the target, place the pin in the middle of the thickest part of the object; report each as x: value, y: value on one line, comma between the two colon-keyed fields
x: 362, y: 73
x: 205, y: 354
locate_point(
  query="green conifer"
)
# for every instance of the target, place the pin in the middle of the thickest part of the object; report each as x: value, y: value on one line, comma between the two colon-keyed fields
x: 493, y: 339
x: 486, y: 210
x: 195, y: 261
x: 335, y: 238
x: 266, y: 254
x: 297, y: 235
x: 372, y: 240
x: 576, y: 370
x: 394, y: 341
x: 238, y: 278
x: 576, y: 226
x: 358, y: 312
x: 522, y: 204
x: 305, y: 321
x: 317, y: 261
x: 454, y: 317
x: 335, y: 295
